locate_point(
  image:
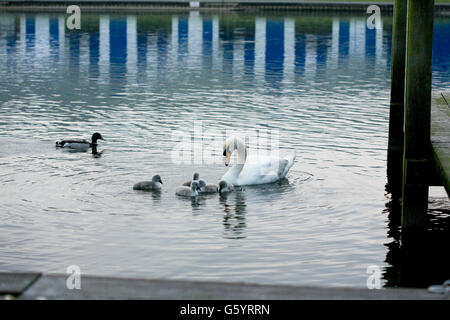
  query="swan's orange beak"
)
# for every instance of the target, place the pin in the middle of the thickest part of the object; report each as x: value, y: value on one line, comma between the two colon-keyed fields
x: 227, y: 158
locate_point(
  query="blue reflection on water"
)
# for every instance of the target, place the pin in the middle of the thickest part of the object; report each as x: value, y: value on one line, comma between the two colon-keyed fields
x: 375, y: 44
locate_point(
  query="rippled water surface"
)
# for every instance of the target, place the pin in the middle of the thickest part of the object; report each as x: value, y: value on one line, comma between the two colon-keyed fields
x: 320, y: 84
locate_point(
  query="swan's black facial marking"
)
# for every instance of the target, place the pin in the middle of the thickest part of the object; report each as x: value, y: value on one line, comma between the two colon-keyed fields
x: 225, y: 152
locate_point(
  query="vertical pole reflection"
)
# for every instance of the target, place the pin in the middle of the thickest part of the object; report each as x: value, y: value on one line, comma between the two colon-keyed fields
x: 94, y: 53
x: 117, y: 53
x: 12, y: 36
x: 74, y: 52
x: 174, y: 38
x: 42, y: 36
x: 322, y: 52
x: 183, y: 33
x: 131, y: 47
x: 260, y: 45
x: 289, y: 47
x: 370, y: 46
x: 54, y: 36
x: 22, y: 36
x: 379, y: 46
x: 195, y: 34
x: 61, y: 36
x: 142, y: 48
x: 344, y: 35
x: 334, y: 51
x: 226, y: 35
x: 207, y: 43
x: 310, y: 55
x: 162, y: 43
x: 274, y: 52
x: 215, y: 39
x: 300, y: 49
x: 30, y: 29
x: 249, y: 50
x: 356, y: 38
x: 104, y: 47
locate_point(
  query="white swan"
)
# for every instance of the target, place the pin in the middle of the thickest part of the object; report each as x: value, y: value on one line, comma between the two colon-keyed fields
x: 253, y: 169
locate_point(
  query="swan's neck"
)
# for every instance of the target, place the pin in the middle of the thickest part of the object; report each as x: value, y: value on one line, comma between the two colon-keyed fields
x: 235, y: 170
x: 241, y: 158
x: 242, y: 152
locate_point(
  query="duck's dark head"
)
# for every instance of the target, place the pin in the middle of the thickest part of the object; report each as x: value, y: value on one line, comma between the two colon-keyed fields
x: 96, y: 136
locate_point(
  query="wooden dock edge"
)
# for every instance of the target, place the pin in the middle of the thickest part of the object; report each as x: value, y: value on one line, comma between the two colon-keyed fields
x: 440, y: 137
x: 32, y: 286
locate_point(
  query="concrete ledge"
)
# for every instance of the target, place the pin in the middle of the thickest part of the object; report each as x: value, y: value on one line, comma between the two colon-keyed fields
x: 16, y: 283
x: 53, y: 286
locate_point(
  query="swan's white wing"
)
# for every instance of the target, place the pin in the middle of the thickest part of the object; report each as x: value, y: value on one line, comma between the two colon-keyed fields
x: 262, y: 169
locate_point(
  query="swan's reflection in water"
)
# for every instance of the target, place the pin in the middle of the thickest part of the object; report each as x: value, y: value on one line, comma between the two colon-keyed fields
x: 196, y: 202
x: 236, y: 203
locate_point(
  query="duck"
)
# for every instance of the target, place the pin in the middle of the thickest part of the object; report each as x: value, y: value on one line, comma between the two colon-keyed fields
x: 251, y: 170
x: 80, y: 144
x: 155, y: 184
x: 191, y: 191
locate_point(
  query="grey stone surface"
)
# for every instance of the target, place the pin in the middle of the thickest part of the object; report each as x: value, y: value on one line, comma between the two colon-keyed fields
x: 54, y: 287
x: 15, y: 283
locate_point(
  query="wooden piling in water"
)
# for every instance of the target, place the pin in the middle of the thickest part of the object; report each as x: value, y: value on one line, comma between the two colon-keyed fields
x: 416, y: 163
x: 396, y: 111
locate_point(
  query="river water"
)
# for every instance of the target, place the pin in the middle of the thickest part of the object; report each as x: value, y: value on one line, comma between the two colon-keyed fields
x: 165, y: 90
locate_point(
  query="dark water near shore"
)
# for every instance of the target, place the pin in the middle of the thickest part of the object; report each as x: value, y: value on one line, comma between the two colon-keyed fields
x: 318, y: 84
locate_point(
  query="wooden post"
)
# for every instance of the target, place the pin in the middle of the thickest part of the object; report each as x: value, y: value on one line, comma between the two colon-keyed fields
x: 396, y: 110
x: 417, y: 113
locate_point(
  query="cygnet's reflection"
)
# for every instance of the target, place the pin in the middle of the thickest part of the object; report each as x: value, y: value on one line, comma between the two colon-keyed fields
x: 156, y: 195
x: 234, y: 221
